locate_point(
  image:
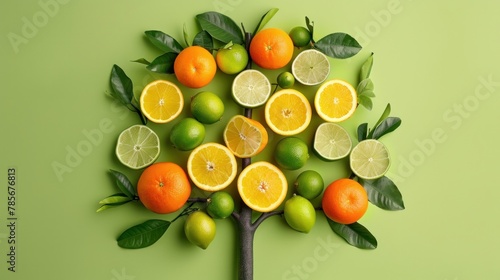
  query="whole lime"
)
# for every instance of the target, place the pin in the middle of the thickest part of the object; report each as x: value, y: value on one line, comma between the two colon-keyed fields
x: 300, y: 214
x: 232, y: 60
x: 199, y: 229
x: 309, y: 184
x: 220, y: 205
x: 301, y: 37
x: 286, y: 79
x: 291, y: 153
x: 187, y: 134
x: 207, y: 107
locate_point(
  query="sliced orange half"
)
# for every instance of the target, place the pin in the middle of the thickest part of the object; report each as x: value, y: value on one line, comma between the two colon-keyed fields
x: 161, y: 101
x: 335, y: 100
x: 288, y: 112
x: 212, y: 167
x: 262, y: 186
x: 245, y: 137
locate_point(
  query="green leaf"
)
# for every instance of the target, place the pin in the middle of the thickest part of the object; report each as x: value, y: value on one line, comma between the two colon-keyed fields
x: 142, y: 61
x: 163, y: 63
x: 338, y: 45
x: 310, y: 26
x: 121, y: 85
x: 366, y: 102
x: 124, y: 184
x: 385, y: 114
x: 203, y: 39
x: 265, y: 19
x: 220, y: 27
x: 116, y: 198
x: 366, y: 68
x: 185, y: 35
x: 386, y: 126
x: 355, y: 234
x: 163, y: 41
x: 362, y: 131
x: 365, y: 86
x: 143, y: 235
x: 106, y: 206
x: 383, y: 193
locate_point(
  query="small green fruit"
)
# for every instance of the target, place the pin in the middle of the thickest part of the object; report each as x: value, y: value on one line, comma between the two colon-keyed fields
x: 291, y: 153
x: 309, y: 184
x: 286, y: 80
x: 200, y: 229
x: 232, y: 60
x: 207, y: 107
x: 300, y: 214
x: 220, y: 205
x: 187, y: 134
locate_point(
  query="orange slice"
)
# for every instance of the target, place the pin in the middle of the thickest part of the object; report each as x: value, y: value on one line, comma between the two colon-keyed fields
x: 335, y: 100
x: 161, y: 101
x: 245, y: 137
x: 288, y: 112
x: 212, y: 167
x: 262, y: 186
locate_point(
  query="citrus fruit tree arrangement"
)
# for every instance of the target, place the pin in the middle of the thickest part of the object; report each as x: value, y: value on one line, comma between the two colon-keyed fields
x: 213, y: 167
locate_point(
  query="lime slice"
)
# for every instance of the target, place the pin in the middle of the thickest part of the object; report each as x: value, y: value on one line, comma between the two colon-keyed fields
x: 311, y: 67
x: 370, y: 159
x: 251, y: 88
x: 331, y: 141
x: 138, y: 146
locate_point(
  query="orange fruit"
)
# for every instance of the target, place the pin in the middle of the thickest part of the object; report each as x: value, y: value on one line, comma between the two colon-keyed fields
x: 195, y: 67
x: 163, y: 187
x: 288, y: 112
x: 345, y: 201
x: 271, y: 48
x: 335, y: 101
x: 262, y: 186
x: 245, y: 137
x: 161, y: 101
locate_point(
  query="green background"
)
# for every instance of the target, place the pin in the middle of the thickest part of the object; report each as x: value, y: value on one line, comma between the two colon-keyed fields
x: 435, y: 62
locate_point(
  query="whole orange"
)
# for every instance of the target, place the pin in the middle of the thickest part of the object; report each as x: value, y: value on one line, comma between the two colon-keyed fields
x: 345, y: 201
x: 163, y: 187
x: 195, y: 67
x: 271, y: 48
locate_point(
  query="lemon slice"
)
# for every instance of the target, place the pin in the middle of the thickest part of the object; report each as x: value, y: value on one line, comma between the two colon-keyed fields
x: 370, y: 159
x: 288, y: 112
x: 138, y: 146
x: 161, y: 101
x: 251, y: 88
x: 311, y: 67
x: 212, y: 167
x: 335, y: 101
x: 331, y: 141
x: 245, y: 137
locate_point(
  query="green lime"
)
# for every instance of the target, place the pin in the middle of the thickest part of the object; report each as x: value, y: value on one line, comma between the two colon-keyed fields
x: 232, y: 60
x: 200, y: 229
x: 300, y: 214
x: 138, y: 146
x: 311, y: 67
x: 369, y: 159
x: 187, y: 134
x: 301, y: 37
x: 309, y: 184
x: 220, y: 205
x: 331, y: 141
x: 207, y: 107
x: 291, y: 153
x: 251, y: 88
x: 286, y: 80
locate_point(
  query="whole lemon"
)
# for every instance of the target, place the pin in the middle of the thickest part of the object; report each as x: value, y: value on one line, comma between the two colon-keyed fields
x: 200, y: 229
x: 300, y: 214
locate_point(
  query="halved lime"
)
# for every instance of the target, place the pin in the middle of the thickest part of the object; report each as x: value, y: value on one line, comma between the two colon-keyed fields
x: 138, y: 146
x: 331, y: 141
x: 370, y: 159
x: 311, y: 67
x: 251, y: 88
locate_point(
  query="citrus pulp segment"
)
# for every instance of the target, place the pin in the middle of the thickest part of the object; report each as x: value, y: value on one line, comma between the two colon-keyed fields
x: 288, y: 112
x: 262, y: 186
x: 138, y: 146
x: 335, y: 101
x: 212, y: 167
x: 245, y: 137
x: 370, y: 159
x: 311, y: 67
x: 251, y: 88
x: 161, y: 101
x: 331, y: 141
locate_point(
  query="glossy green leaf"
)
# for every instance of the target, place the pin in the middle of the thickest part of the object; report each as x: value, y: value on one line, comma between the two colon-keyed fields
x: 362, y: 131
x: 143, y: 235
x: 142, y: 61
x: 220, y: 27
x: 116, y: 198
x: 121, y: 85
x: 366, y: 68
x: 365, y: 87
x: 386, y: 126
x: 383, y: 193
x: 385, y: 114
x: 162, y: 41
x: 338, y: 45
x: 124, y: 183
x: 355, y: 234
x: 366, y: 102
x: 310, y: 27
x: 203, y: 39
x: 265, y: 19
x: 163, y: 63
